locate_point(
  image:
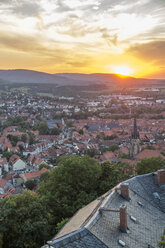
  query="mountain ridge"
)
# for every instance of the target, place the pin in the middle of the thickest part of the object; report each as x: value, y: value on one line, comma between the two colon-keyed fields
x: 75, y: 79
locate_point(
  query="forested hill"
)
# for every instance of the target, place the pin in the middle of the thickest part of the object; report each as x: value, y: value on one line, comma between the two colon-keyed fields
x: 77, y: 79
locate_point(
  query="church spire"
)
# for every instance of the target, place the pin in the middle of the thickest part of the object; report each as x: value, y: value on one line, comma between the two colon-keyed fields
x: 135, y: 133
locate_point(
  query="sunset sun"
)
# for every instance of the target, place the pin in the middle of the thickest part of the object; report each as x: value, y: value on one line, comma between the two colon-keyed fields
x: 122, y: 70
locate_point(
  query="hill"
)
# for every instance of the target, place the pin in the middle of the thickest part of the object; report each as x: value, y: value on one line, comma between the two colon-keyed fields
x: 63, y: 79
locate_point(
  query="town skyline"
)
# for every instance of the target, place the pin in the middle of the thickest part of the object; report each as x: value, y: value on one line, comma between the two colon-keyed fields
x: 84, y: 37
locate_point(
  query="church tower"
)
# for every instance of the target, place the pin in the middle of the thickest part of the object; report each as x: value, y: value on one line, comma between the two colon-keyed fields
x: 135, y: 141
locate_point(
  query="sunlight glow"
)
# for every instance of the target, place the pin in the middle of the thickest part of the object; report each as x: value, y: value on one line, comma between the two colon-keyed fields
x: 122, y: 70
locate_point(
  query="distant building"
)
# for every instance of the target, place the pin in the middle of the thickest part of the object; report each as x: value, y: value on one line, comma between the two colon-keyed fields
x: 135, y: 141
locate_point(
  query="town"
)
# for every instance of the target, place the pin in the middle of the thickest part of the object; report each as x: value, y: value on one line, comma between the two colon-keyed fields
x: 36, y: 130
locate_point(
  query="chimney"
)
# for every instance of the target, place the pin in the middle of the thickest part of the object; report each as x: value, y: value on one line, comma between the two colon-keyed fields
x: 123, y: 218
x: 124, y: 187
x: 161, y: 177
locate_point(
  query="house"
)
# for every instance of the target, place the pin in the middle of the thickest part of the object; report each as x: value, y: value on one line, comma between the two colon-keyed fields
x: 4, y: 164
x: 17, y: 163
x: 17, y: 180
x: 130, y: 215
x: 3, y: 183
x: 148, y: 153
x: 33, y: 175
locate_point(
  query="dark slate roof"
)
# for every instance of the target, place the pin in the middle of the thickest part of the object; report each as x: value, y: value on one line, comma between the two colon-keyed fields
x: 93, y: 127
x: 103, y: 225
x: 79, y: 239
x: 112, y: 125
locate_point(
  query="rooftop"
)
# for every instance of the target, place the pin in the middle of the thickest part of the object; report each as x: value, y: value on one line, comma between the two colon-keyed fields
x: 99, y: 221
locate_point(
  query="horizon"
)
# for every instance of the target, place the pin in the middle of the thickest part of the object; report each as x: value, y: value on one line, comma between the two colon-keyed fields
x: 87, y: 37
x: 104, y: 73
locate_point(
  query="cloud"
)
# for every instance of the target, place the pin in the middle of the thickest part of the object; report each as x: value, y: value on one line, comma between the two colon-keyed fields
x: 23, y: 8
x: 54, y: 54
x: 152, y: 51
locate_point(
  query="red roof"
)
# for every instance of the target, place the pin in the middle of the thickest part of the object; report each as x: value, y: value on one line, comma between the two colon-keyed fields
x: 35, y: 174
x: 147, y: 153
x: 14, y: 158
x: 3, y: 183
x: 3, y: 161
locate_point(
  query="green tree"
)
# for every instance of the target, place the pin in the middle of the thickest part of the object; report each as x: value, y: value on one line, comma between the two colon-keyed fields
x: 147, y: 165
x: 23, y: 221
x: 43, y: 128
x: 71, y: 185
x: 61, y: 224
x: 113, y: 147
x: 55, y: 131
x: 7, y: 155
x: 1, y: 241
x: 44, y: 176
x: 112, y: 174
x: 24, y: 138
x: 31, y: 138
x: 92, y: 152
x: 81, y: 131
x: 162, y: 242
x: 30, y: 184
x: 43, y: 165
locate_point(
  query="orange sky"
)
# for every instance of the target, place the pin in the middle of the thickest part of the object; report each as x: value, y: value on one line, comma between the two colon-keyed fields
x: 83, y: 36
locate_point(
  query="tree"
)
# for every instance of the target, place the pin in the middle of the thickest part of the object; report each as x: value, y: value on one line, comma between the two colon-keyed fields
x: 61, y: 224
x: 7, y: 155
x: 113, y: 147
x: 55, y: 131
x: 30, y: 184
x: 43, y: 128
x: 92, y: 152
x: 1, y: 241
x: 23, y: 221
x: 147, y: 165
x: 43, y: 165
x: 31, y: 138
x: 162, y: 242
x: 81, y: 132
x: 71, y: 185
x: 44, y: 176
x: 24, y: 138
x: 112, y: 174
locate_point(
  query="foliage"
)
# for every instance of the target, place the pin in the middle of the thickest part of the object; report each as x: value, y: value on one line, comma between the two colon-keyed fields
x: 31, y: 138
x: 30, y: 184
x: 81, y: 131
x: 1, y: 241
x: 112, y: 174
x: 162, y: 242
x: 20, y: 122
x: 44, y: 176
x: 124, y: 155
x: 43, y: 165
x: 69, y: 124
x: 13, y: 139
x: 71, y: 185
x: 24, y: 138
x: 61, y: 224
x: 111, y: 137
x: 92, y: 152
x: 55, y: 131
x: 147, y: 165
x: 111, y: 148
x: 7, y: 155
x: 23, y: 221
x: 43, y: 128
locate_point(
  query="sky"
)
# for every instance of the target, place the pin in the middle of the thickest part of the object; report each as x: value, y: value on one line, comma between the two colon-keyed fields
x: 84, y: 36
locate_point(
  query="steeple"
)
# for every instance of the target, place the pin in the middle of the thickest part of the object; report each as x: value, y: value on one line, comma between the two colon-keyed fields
x: 135, y: 133
x: 135, y: 141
